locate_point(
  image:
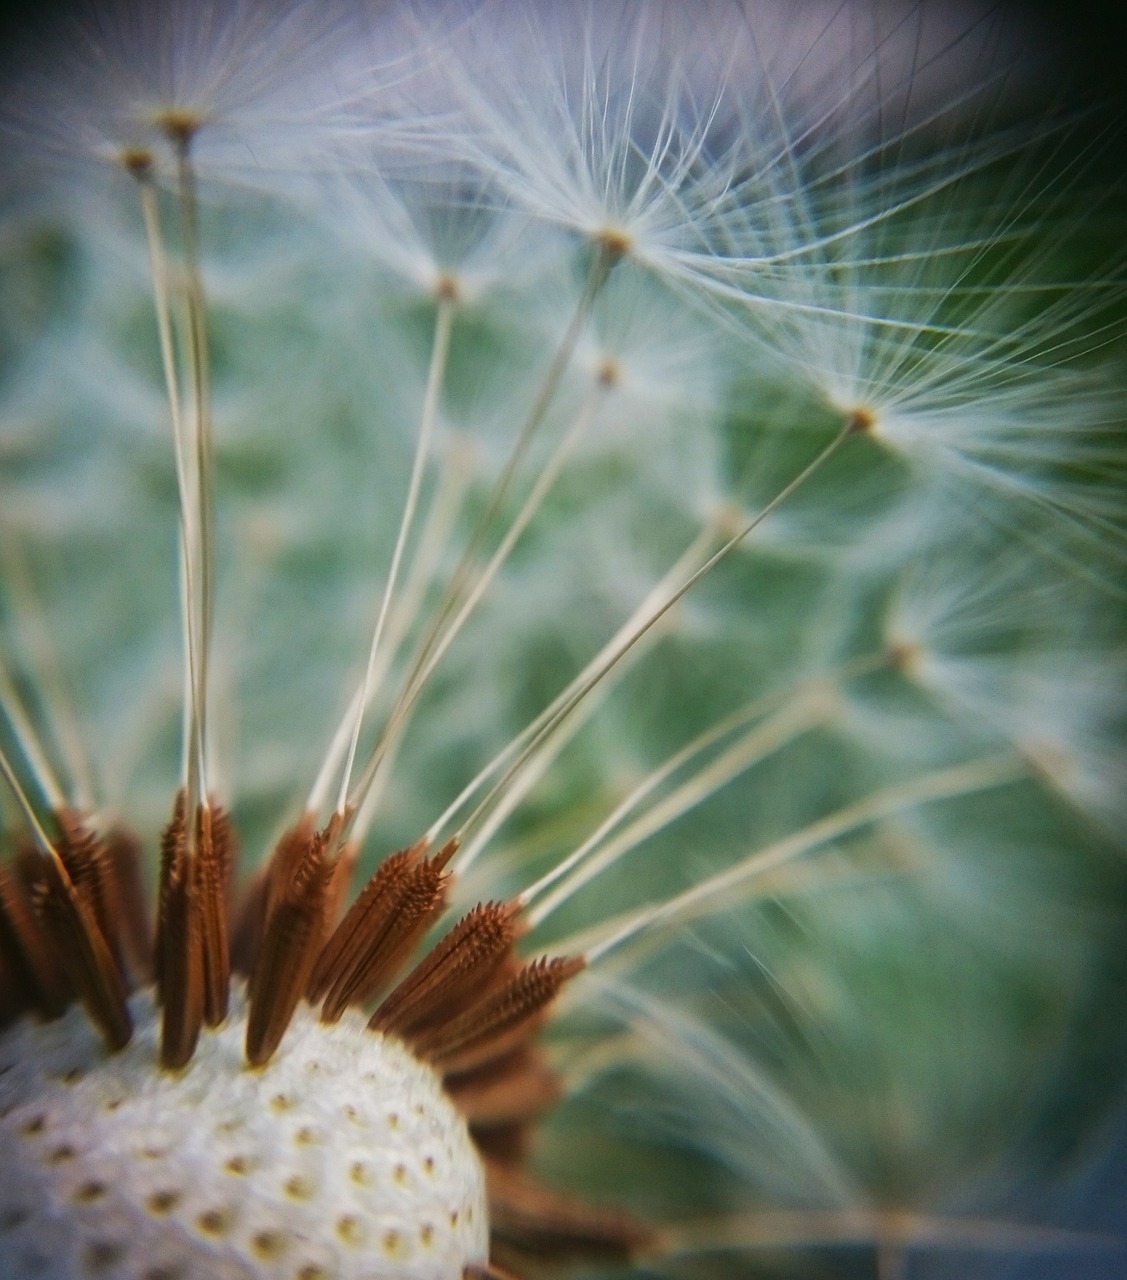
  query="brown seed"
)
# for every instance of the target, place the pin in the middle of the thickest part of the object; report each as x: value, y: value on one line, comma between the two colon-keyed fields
x: 407, y: 911
x: 125, y: 864
x: 515, y: 1087
x: 83, y: 953
x: 501, y: 1020
x: 453, y: 972
x: 292, y: 938
x: 179, y: 956
x: 33, y: 976
x: 212, y: 873
x: 368, y: 915
x: 529, y: 1220
x: 84, y: 856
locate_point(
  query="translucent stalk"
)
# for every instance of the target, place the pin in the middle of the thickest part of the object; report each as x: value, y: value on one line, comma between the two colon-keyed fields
x: 544, y: 482
x: 36, y: 640
x: 537, y: 734
x: 942, y: 784
x: 583, y: 686
x: 443, y: 321
x: 199, y: 367
x: 34, y: 825
x: 30, y: 747
x: 186, y: 481
x: 747, y: 751
x: 435, y: 537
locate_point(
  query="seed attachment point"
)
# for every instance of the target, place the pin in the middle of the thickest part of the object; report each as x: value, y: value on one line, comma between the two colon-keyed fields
x: 447, y: 288
x: 180, y: 125
x: 861, y: 421
x: 609, y: 373
x: 137, y: 161
x: 614, y: 242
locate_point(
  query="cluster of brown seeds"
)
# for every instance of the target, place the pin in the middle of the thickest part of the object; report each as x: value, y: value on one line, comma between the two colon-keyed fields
x: 74, y: 926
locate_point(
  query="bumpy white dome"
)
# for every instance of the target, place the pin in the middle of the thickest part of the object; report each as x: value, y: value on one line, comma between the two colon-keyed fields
x: 342, y: 1158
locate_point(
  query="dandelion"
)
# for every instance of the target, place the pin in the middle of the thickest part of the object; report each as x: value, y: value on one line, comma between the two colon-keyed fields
x: 561, y: 644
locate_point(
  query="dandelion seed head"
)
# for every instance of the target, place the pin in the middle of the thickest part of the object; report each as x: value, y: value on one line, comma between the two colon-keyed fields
x: 772, y: 304
x: 343, y: 1153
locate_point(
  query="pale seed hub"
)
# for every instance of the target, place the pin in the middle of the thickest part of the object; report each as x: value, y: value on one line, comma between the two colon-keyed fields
x: 342, y: 1157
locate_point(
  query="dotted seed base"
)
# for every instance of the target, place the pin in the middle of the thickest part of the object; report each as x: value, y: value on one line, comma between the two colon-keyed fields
x: 342, y: 1158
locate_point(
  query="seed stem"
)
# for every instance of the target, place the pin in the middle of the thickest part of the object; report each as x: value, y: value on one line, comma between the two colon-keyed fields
x: 39, y: 835
x: 37, y: 642
x: 941, y: 784
x: 443, y: 508
x: 443, y: 321
x: 544, y: 482
x: 801, y: 707
x: 600, y: 271
x: 883, y: 1228
x: 751, y: 748
x: 28, y: 740
x: 615, y: 652
x: 199, y: 366
x: 437, y: 639
x: 187, y: 478
x: 539, y: 734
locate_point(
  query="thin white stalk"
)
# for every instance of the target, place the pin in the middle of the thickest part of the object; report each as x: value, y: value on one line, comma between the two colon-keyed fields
x: 34, y: 825
x: 37, y: 642
x: 759, y: 707
x: 186, y: 482
x: 529, y: 772
x: 535, y: 417
x: 544, y: 482
x: 441, y: 345
x: 366, y: 813
x: 582, y: 687
x: 941, y: 784
x: 539, y: 731
x: 532, y: 504
x: 158, y: 272
x: 442, y: 515
x: 199, y: 366
x: 750, y: 749
x: 28, y: 740
x: 820, y: 873
x: 188, y: 671
x: 422, y: 665
x: 779, y: 1229
x: 338, y: 745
